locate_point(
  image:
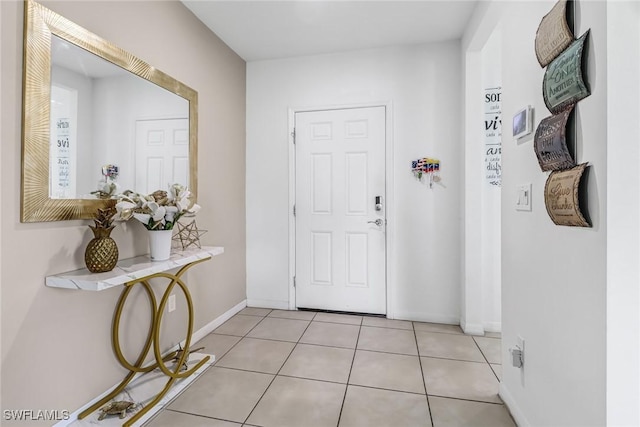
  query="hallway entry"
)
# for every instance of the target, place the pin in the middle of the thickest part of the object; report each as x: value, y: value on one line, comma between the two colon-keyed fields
x: 340, y: 221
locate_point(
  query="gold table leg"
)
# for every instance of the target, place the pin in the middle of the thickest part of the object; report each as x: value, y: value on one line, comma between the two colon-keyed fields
x: 153, y: 339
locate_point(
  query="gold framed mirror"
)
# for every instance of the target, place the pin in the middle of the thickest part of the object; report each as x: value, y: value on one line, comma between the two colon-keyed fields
x: 44, y: 29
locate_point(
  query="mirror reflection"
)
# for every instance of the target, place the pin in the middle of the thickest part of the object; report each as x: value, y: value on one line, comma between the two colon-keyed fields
x: 94, y: 116
x: 111, y: 130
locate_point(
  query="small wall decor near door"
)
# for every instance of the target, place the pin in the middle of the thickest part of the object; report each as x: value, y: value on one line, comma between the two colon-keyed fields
x: 564, y: 82
x: 553, y: 35
x: 550, y: 142
x: 426, y: 166
x: 340, y: 215
x: 562, y: 197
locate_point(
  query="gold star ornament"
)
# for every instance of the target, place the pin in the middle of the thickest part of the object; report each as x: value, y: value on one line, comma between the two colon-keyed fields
x: 188, y: 235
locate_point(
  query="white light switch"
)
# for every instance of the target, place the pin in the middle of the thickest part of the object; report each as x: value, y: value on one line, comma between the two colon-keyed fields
x: 523, y: 201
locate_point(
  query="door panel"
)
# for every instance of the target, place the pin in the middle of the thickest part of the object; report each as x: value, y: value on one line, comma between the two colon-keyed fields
x: 162, y: 154
x: 340, y: 169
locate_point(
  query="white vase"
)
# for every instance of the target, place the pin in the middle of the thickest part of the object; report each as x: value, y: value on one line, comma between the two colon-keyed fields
x: 160, y: 244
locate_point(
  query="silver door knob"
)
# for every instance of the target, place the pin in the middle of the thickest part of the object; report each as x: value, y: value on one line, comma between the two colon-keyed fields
x: 377, y: 222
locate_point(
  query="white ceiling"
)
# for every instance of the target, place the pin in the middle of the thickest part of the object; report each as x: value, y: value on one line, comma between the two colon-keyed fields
x: 265, y: 29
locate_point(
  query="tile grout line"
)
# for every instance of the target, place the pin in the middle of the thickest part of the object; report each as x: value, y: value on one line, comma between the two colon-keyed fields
x: 199, y: 415
x: 346, y: 388
x: 487, y: 360
x: 424, y: 381
x: 277, y: 373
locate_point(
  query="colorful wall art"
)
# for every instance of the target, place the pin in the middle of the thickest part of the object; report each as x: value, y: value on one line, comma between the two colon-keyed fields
x: 426, y: 167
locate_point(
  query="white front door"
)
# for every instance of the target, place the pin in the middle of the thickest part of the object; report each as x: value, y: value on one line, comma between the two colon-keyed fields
x: 162, y: 154
x: 340, y: 171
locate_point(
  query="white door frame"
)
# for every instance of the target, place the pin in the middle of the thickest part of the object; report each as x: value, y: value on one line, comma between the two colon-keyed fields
x: 389, y: 194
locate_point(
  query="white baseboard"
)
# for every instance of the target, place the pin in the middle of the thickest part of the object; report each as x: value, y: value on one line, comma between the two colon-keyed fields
x: 267, y: 303
x: 493, y: 327
x: 195, y: 337
x: 513, y: 408
x: 425, y: 317
x: 209, y: 327
x: 472, y: 328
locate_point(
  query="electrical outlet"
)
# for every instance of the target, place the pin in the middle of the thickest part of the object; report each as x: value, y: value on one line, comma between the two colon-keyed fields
x: 172, y: 302
x: 517, y: 353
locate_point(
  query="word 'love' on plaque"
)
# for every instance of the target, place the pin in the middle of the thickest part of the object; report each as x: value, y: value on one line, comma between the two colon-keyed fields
x: 553, y: 35
x: 550, y: 142
x: 562, y: 198
x: 563, y: 83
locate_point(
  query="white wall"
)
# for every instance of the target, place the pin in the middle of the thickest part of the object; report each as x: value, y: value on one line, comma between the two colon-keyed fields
x: 623, y: 211
x: 553, y: 278
x: 481, y: 58
x: 491, y: 57
x: 422, y: 83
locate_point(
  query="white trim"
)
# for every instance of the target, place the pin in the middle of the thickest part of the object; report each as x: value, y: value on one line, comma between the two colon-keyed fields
x: 513, y: 408
x: 292, y: 200
x: 426, y: 317
x: 268, y: 303
x: 390, y: 199
x: 493, y: 326
x: 471, y: 328
x: 195, y: 337
x: 209, y: 327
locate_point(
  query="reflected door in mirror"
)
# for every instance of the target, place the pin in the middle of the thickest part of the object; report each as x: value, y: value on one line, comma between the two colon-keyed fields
x: 162, y: 154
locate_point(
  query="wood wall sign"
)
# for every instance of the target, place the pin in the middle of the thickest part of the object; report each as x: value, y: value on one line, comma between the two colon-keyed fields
x: 550, y: 142
x: 553, y: 35
x: 562, y: 198
x: 563, y: 82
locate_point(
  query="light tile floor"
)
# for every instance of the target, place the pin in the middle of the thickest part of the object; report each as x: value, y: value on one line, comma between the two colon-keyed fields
x: 279, y: 368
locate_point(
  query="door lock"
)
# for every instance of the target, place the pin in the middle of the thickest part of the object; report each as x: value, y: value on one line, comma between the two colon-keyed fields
x: 378, y: 203
x: 377, y: 222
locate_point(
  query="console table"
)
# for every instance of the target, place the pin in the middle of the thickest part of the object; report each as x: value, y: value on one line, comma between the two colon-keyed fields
x: 128, y: 273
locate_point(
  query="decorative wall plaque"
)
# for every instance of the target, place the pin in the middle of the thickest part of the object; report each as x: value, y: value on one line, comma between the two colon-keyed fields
x: 561, y: 197
x: 563, y: 83
x: 550, y: 143
x: 553, y: 35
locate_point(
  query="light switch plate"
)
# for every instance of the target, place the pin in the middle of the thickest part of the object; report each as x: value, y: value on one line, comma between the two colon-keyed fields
x: 523, y: 197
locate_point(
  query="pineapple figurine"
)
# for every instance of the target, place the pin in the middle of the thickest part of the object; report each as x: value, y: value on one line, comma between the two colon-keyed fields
x: 101, y: 254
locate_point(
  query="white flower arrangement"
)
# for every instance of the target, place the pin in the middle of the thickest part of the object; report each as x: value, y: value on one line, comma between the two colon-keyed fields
x: 159, y: 210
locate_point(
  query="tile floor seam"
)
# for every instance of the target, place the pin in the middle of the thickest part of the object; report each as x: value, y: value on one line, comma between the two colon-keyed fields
x: 468, y: 400
x: 424, y: 381
x: 200, y: 415
x: 387, y: 352
x: 386, y: 327
x: 487, y: 360
x: 346, y: 388
x: 457, y: 360
x: 388, y: 389
x: 277, y: 373
x: 311, y: 379
x: 226, y: 352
